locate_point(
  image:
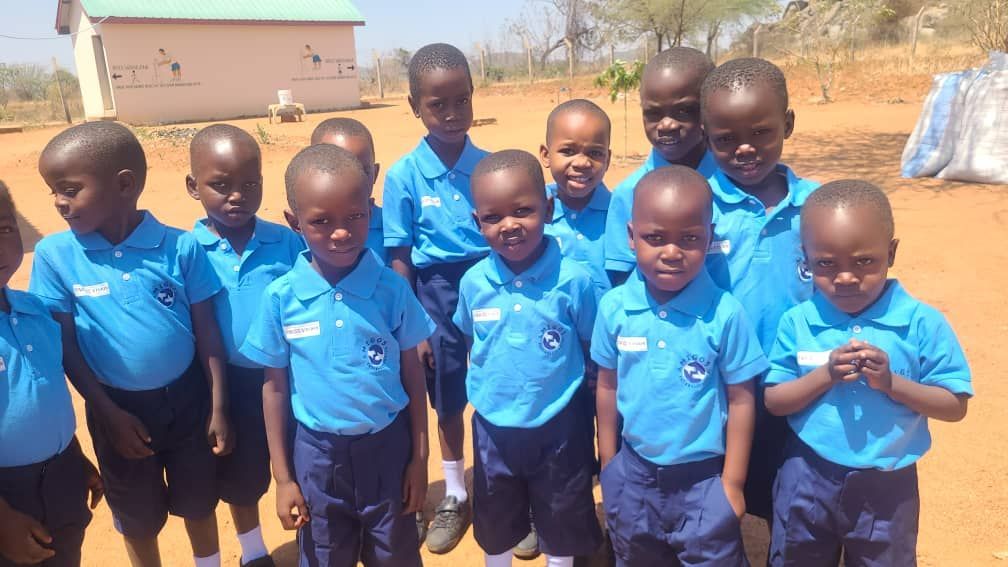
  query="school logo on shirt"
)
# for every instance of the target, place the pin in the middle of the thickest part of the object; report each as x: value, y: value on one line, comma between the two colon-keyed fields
x: 165, y: 294
x: 804, y: 273
x: 374, y: 351
x: 551, y: 338
x: 694, y: 370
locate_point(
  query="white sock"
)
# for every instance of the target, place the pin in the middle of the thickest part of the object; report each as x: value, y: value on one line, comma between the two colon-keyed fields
x: 454, y: 478
x: 252, y: 545
x: 502, y: 560
x: 211, y: 561
x: 552, y: 561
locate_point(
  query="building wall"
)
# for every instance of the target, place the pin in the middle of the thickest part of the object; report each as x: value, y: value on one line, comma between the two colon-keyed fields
x: 84, y: 57
x: 224, y: 70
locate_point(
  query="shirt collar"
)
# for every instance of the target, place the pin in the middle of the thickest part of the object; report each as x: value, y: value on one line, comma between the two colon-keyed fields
x: 599, y: 201
x: 431, y: 166
x: 361, y: 282
x: 706, y: 167
x: 147, y: 235
x: 694, y: 300
x: 727, y: 191
x: 498, y: 272
x: 894, y: 308
x: 264, y: 232
x: 20, y: 302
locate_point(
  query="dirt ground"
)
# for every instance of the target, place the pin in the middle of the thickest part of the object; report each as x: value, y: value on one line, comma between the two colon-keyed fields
x: 949, y: 257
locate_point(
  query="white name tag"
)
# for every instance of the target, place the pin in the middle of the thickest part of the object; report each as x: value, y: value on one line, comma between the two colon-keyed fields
x: 303, y: 330
x: 631, y: 344
x: 719, y: 247
x: 96, y: 290
x: 816, y: 359
x: 428, y: 201
x: 3, y: 365
x: 484, y: 315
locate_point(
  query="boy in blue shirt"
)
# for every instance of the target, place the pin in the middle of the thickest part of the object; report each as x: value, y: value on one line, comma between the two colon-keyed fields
x: 140, y: 340
x: 677, y: 360
x: 337, y: 336
x: 44, y: 477
x: 527, y: 302
x: 670, y: 106
x: 355, y: 138
x: 756, y: 254
x: 858, y: 369
x: 247, y: 253
x: 432, y: 240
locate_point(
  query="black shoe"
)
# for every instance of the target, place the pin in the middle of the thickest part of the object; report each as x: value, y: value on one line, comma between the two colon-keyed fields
x: 265, y: 561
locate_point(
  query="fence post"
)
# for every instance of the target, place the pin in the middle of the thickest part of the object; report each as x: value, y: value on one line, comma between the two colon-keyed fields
x: 755, y: 40
x: 612, y: 55
x: 59, y: 89
x: 381, y: 86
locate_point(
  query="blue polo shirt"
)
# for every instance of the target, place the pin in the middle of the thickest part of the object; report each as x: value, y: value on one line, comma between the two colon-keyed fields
x: 269, y: 254
x: 853, y: 424
x: 340, y: 343
x: 757, y: 256
x: 526, y: 360
x: 581, y: 234
x: 376, y: 236
x: 130, y: 301
x: 36, y: 414
x: 429, y: 207
x: 618, y: 255
x: 672, y: 362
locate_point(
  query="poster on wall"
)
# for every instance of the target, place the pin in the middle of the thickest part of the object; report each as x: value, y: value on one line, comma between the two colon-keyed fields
x: 163, y: 71
x: 315, y: 66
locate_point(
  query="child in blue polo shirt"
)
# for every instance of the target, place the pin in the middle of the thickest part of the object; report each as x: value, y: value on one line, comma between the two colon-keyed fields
x: 670, y: 106
x: 247, y: 253
x: 432, y: 241
x: 355, y: 138
x: 44, y: 477
x: 140, y: 340
x: 858, y: 370
x: 337, y: 335
x: 756, y: 254
x: 527, y: 302
x: 677, y: 360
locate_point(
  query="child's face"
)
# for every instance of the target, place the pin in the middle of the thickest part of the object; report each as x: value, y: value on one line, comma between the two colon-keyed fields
x: 359, y: 147
x: 227, y: 179
x: 670, y: 104
x: 670, y: 233
x: 511, y: 212
x: 11, y: 247
x: 444, y: 104
x: 849, y: 254
x: 333, y: 214
x: 746, y: 129
x: 577, y: 153
x: 86, y: 199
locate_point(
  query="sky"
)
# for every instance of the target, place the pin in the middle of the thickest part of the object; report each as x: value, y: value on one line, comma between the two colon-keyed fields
x: 390, y: 24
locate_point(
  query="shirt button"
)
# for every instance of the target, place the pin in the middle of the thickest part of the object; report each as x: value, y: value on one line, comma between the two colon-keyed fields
x: 126, y: 277
x: 763, y: 232
x: 580, y: 236
x: 856, y: 328
x: 117, y: 253
x: 338, y: 296
x: 237, y: 268
x: 518, y: 284
x: 661, y: 344
x: 29, y: 348
x: 573, y: 215
x: 457, y: 197
x: 517, y: 307
x: 451, y: 176
x: 339, y: 323
x: 662, y: 314
x: 223, y: 245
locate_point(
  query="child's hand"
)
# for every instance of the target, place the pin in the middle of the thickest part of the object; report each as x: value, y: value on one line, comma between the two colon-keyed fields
x: 736, y: 497
x: 219, y: 434
x: 426, y: 355
x: 414, y: 486
x: 129, y: 436
x: 22, y: 539
x: 291, y: 507
x: 844, y: 363
x: 94, y: 482
x: 875, y: 367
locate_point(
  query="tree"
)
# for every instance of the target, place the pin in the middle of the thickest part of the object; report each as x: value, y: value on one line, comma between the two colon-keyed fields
x: 621, y: 80
x: 548, y: 25
x: 987, y: 21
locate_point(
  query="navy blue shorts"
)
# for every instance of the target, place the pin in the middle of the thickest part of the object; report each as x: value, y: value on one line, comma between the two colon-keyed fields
x: 53, y: 492
x: 770, y: 434
x: 659, y: 514
x: 547, y: 469
x: 437, y: 289
x: 243, y: 476
x: 821, y: 508
x: 353, y: 487
x: 180, y: 478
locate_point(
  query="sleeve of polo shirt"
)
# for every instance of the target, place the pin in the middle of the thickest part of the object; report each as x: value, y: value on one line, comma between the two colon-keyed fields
x: 397, y: 212
x: 415, y: 325
x: 942, y: 361
x: 463, y: 316
x: 783, y: 357
x: 603, y: 339
x: 47, y: 284
x: 265, y: 343
x: 742, y: 356
x: 618, y: 256
x: 201, y: 280
x: 586, y: 307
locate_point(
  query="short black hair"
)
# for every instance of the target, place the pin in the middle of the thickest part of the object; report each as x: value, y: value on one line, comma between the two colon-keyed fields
x: 577, y: 106
x: 325, y: 158
x: 513, y: 159
x: 435, y: 56
x: 215, y: 132
x: 6, y: 200
x: 110, y: 146
x: 341, y: 125
x: 849, y: 194
x: 745, y: 72
x: 674, y: 177
x: 680, y: 59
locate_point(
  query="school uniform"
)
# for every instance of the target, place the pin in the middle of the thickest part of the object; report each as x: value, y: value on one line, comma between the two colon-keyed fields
x: 341, y: 346
x: 758, y: 257
x: 618, y: 255
x: 41, y: 465
x: 849, y: 477
x: 581, y: 234
x: 662, y: 492
x: 428, y: 207
x: 243, y: 476
x: 527, y: 365
x: 131, y: 305
x: 376, y: 235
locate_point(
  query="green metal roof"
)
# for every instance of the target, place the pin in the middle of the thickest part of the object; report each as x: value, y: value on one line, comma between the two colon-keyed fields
x: 222, y: 10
